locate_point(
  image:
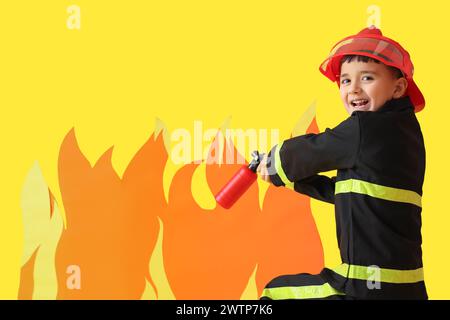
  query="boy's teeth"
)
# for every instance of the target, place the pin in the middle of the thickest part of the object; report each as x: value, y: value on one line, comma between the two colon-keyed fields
x: 359, y: 102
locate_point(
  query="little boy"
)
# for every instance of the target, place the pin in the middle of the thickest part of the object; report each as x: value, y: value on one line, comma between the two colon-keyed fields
x: 379, y: 156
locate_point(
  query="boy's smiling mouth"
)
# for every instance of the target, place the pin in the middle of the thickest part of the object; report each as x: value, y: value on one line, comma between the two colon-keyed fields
x: 359, y: 103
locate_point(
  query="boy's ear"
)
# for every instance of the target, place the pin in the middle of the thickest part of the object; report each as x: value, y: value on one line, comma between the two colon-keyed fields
x: 401, y: 85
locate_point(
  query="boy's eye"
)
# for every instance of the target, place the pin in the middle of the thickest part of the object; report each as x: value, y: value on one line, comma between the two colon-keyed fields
x: 345, y: 81
x: 367, y: 78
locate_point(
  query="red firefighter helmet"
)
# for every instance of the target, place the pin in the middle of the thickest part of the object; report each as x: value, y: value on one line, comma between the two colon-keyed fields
x: 370, y: 42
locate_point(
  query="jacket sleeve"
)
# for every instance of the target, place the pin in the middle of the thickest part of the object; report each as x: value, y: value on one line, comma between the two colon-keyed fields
x: 305, y: 156
x: 318, y: 187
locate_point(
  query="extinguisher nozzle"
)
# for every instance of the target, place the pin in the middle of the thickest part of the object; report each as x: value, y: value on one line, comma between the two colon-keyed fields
x: 256, y: 160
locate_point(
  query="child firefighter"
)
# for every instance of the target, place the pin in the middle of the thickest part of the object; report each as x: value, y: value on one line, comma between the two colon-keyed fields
x: 379, y: 155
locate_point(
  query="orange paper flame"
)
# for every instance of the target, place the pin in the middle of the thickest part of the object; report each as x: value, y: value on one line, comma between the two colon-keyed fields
x: 209, y: 254
x: 112, y: 222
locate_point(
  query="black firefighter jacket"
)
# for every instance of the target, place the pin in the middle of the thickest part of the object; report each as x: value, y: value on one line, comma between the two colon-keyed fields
x: 380, y: 162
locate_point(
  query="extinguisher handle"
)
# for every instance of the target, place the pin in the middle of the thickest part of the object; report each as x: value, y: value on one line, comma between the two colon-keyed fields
x: 256, y: 160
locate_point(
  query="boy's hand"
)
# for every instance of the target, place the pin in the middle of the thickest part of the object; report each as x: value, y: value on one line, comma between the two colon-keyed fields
x: 262, y: 169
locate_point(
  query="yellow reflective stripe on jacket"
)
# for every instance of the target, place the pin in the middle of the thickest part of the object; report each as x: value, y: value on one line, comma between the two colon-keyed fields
x: 301, y: 292
x: 279, y: 168
x: 378, y: 191
x: 379, y: 274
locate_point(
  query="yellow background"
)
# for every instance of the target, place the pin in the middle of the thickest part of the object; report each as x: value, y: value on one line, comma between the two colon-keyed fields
x: 180, y: 61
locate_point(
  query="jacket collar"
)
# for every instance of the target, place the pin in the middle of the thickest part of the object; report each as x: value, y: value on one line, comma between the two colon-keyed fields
x: 395, y: 105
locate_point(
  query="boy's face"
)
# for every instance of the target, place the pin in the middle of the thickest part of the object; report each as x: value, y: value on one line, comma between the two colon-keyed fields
x: 366, y: 86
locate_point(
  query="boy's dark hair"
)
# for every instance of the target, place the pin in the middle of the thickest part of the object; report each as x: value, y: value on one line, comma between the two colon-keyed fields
x: 349, y: 58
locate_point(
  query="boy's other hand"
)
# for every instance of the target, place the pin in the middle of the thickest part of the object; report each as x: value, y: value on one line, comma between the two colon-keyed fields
x: 262, y: 169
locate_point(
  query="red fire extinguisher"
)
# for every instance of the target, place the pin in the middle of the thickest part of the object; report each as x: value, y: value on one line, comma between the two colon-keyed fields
x: 239, y: 183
